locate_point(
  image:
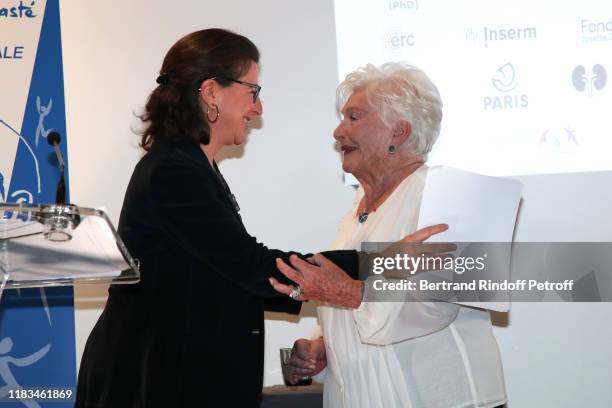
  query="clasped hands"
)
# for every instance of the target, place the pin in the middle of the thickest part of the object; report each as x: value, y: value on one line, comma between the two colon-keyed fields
x: 320, y: 279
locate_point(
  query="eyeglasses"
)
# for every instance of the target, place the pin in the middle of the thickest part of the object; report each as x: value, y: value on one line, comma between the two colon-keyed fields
x: 255, y: 89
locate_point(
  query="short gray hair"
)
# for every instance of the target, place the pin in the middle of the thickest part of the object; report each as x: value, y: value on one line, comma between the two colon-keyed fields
x: 399, y: 91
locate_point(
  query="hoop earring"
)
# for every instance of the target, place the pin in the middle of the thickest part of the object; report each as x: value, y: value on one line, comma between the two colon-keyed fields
x: 392, y: 149
x: 208, y: 114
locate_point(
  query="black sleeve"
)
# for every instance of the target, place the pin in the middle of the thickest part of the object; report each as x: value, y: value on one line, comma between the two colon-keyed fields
x: 185, y: 199
x: 282, y: 304
x: 348, y: 260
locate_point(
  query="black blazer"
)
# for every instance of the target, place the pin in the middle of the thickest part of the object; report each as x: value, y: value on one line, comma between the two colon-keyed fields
x: 191, y: 333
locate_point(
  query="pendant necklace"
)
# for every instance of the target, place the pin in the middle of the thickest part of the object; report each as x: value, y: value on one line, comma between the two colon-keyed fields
x: 363, y: 217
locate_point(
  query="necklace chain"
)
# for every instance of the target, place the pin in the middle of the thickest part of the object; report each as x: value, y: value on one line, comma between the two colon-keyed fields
x: 363, y: 215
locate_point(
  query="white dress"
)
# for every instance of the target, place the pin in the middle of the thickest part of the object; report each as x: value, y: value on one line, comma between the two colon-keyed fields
x: 406, y: 355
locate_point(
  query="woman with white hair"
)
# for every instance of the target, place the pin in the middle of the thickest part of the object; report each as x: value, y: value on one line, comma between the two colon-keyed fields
x: 394, y: 354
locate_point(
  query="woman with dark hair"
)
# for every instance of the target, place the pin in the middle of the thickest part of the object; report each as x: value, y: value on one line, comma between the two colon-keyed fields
x: 191, y: 332
x: 194, y: 68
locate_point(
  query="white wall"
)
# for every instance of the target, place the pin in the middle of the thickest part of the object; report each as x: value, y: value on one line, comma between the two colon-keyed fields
x: 558, y: 354
x: 288, y: 179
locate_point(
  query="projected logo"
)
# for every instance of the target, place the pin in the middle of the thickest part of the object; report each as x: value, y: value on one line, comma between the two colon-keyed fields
x: 596, y: 30
x: 504, y: 82
x: 398, y: 40
x: 488, y: 35
x: 558, y: 138
x: 471, y: 34
x: 594, y: 80
x: 410, y: 5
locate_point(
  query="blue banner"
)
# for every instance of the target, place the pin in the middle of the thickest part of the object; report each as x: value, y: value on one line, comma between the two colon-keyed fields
x: 37, y: 343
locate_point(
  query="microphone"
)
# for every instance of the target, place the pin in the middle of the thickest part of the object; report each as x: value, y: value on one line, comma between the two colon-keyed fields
x: 54, y: 140
x: 59, y: 219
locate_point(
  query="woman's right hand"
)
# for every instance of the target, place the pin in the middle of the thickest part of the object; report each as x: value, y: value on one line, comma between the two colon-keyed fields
x: 413, y: 246
x: 423, y: 234
x: 308, y: 359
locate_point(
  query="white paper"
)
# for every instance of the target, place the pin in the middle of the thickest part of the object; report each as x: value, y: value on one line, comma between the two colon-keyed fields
x: 477, y: 208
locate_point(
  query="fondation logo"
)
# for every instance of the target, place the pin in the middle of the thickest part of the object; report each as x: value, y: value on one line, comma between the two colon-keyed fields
x: 595, y: 30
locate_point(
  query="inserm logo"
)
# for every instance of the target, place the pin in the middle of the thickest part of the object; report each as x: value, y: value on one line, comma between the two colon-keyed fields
x: 504, y: 81
x: 491, y: 34
x: 594, y: 80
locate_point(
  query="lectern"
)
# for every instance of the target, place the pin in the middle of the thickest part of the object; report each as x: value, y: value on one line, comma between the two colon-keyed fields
x: 60, y: 244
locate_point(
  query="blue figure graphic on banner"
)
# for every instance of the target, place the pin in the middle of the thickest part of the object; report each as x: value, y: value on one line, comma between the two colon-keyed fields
x: 6, y: 344
x: 42, y: 112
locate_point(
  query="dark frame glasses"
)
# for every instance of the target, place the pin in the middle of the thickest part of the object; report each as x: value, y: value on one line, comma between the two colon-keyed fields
x: 255, y: 89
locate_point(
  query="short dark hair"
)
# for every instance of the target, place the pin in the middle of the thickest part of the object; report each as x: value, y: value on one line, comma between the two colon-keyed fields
x: 173, y: 109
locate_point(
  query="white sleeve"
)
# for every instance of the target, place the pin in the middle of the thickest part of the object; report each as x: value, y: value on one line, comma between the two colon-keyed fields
x: 382, y: 323
x: 317, y: 332
x: 320, y: 377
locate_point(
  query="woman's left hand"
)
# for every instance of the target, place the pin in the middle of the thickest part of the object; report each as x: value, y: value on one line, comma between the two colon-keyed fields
x: 307, y: 359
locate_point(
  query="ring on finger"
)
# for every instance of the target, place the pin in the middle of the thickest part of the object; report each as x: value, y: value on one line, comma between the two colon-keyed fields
x: 296, y: 292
